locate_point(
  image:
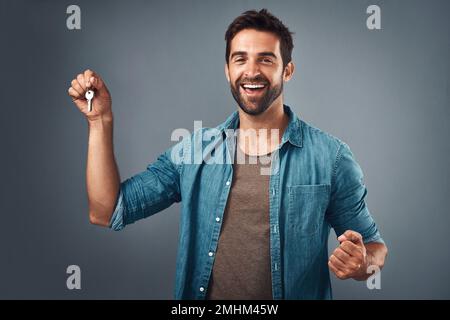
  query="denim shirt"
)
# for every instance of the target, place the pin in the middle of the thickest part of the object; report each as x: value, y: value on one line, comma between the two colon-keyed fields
x: 315, y: 185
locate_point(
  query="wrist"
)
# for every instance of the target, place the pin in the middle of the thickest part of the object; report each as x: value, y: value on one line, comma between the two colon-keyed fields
x: 100, y: 121
x: 362, y: 273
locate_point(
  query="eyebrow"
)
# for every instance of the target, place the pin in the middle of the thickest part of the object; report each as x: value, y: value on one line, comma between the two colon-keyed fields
x: 260, y: 54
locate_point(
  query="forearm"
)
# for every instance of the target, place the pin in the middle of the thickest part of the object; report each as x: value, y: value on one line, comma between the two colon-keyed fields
x: 102, y: 174
x: 375, y: 256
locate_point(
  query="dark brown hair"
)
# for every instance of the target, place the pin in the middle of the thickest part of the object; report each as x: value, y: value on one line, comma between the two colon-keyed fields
x: 261, y: 21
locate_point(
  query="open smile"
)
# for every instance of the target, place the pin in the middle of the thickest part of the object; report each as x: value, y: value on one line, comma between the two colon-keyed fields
x: 253, y: 88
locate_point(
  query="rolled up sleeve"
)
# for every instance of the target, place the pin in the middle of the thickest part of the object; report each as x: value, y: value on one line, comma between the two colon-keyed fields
x: 148, y: 192
x: 116, y: 222
x: 347, y: 209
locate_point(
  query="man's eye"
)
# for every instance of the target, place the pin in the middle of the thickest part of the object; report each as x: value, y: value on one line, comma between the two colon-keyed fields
x: 239, y: 60
x: 267, y: 60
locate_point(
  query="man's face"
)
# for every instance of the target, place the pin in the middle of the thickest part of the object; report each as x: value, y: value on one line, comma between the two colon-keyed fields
x: 255, y: 70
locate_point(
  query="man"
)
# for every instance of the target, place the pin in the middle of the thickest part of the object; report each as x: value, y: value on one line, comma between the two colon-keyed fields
x: 244, y: 234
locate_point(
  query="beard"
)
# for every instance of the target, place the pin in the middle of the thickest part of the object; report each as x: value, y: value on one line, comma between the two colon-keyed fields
x: 258, y: 104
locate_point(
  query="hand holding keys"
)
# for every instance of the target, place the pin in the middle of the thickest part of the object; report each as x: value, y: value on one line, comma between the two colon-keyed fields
x: 89, y: 96
x: 86, y: 87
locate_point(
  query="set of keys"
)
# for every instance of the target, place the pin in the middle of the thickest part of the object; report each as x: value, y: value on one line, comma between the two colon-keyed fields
x: 89, y: 95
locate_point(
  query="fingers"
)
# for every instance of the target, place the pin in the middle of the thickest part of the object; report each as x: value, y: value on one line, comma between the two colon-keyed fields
x: 342, y: 255
x: 88, y: 76
x: 97, y: 82
x: 343, y: 265
x: 352, y: 236
x: 86, y: 79
x: 74, y: 94
x: 89, y: 80
x: 93, y: 80
x: 333, y: 268
x: 81, y: 82
x: 77, y: 87
x: 349, y: 261
x: 338, y: 263
x: 338, y: 272
x: 353, y: 249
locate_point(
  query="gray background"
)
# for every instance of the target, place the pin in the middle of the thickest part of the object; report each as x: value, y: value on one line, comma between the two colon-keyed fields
x: 386, y: 93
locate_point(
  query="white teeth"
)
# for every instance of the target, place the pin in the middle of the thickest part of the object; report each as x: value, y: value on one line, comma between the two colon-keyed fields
x: 253, y: 86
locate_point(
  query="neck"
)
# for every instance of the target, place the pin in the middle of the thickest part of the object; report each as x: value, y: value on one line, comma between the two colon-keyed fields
x: 274, y: 120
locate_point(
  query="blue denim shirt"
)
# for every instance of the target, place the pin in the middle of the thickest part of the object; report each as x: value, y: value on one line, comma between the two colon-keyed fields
x: 315, y: 185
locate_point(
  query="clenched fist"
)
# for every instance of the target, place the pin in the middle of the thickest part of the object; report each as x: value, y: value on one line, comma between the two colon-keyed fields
x: 349, y: 260
x: 101, y: 104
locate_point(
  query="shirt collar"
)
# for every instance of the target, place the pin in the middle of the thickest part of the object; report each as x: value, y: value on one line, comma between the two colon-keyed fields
x: 293, y: 132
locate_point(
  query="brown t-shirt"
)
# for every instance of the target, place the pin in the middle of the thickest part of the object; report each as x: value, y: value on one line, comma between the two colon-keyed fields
x: 242, y: 263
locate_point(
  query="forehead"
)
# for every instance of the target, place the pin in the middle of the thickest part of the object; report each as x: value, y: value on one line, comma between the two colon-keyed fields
x: 254, y: 41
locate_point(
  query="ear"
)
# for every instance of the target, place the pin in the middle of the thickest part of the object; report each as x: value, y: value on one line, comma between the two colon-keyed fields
x: 288, y: 71
x: 227, y: 73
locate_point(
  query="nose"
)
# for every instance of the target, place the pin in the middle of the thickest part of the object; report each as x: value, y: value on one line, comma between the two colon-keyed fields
x: 252, y: 69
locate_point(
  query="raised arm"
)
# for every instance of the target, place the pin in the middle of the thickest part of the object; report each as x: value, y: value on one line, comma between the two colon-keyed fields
x: 102, y: 174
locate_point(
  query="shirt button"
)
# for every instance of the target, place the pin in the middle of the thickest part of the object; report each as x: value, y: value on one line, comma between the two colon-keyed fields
x: 210, y: 253
x: 202, y: 289
x: 228, y: 183
x: 217, y: 219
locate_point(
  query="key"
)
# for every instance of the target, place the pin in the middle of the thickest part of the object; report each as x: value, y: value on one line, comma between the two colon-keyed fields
x: 89, y: 96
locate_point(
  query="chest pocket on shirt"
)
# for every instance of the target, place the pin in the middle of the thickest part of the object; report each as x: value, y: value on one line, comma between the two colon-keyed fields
x: 307, y: 206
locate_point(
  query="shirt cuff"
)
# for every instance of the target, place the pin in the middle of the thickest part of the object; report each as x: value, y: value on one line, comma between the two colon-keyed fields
x: 375, y: 238
x: 116, y: 223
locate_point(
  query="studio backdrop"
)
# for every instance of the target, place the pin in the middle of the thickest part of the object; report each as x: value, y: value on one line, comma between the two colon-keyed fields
x: 383, y: 88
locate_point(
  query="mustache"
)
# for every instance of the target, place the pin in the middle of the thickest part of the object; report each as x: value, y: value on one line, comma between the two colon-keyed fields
x: 257, y: 79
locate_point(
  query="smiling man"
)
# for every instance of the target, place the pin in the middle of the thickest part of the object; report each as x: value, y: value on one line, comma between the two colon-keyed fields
x: 244, y: 234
